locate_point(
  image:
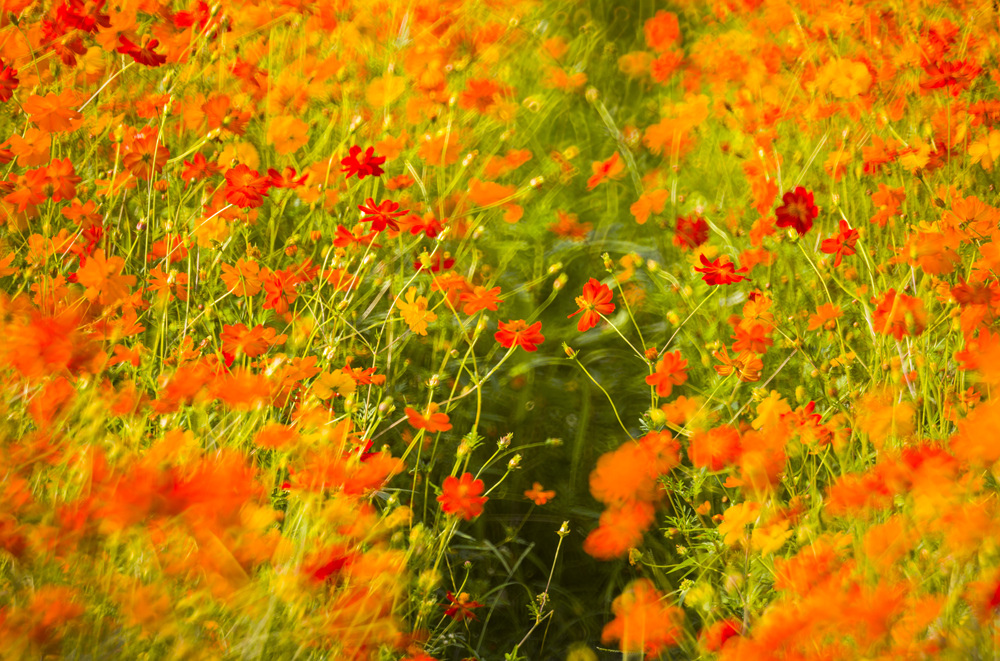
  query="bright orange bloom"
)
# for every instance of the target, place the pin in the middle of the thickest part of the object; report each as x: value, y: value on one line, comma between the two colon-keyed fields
x: 538, y: 494
x: 517, y: 333
x: 662, y: 31
x: 433, y: 421
x: 715, y: 448
x: 670, y: 371
x: 480, y: 298
x: 899, y: 315
x: 102, y: 276
x: 612, y: 168
x: 826, y: 313
x: 620, y: 528
x: 461, y: 496
x: 243, y: 279
x: 643, y: 622
x: 596, y: 301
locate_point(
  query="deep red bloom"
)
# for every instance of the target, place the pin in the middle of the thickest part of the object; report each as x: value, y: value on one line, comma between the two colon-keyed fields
x: 245, y: 187
x: 517, y: 333
x: 842, y: 244
x: 798, y: 210
x: 461, y: 496
x: 142, y: 54
x: 718, y: 273
x: 8, y: 81
x: 383, y: 214
x: 596, y: 300
x: 690, y: 233
x: 286, y: 178
x: 199, y: 168
x: 366, y: 166
x: 461, y: 607
x: 955, y: 75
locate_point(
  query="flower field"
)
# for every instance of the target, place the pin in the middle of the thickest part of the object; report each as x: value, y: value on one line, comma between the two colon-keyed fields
x: 426, y: 330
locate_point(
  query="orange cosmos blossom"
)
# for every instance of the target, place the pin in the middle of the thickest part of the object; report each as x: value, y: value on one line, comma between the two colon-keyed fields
x: 517, y: 333
x: 433, y: 421
x: 670, y: 371
x: 596, y: 300
x: 461, y: 496
x: 643, y: 622
x: 899, y: 315
x: 538, y: 494
x: 612, y: 168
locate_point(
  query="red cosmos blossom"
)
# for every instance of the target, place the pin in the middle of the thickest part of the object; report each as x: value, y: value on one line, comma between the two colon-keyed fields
x: 286, y: 178
x: 718, y: 273
x: 842, y: 244
x: 142, y: 54
x: 690, y: 233
x: 596, y: 300
x: 437, y: 263
x: 955, y: 75
x: 199, y: 168
x: 8, y: 81
x: 461, y: 607
x: 461, y: 496
x: 383, y: 214
x: 245, y: 187
x: 366, y: 166
x: 798, y: 210
x: 517, y: 333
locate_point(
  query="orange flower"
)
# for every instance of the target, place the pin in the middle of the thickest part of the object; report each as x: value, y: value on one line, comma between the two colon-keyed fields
x: 103, y: 279
x: 612, y: 168
x: 620, y: 528
x: 538, y: 495
x: 899, y: 315
x: 517, y: 333
x: 662, y: 31
x: 714, y: 449
x: 643, y: 621
x: 670, y: 371
x: 415, y: 312
x: 461, y: 496
x: 433, y: 421
x: 480, y: 298
x: 826, y: 315
x: 596, y: 301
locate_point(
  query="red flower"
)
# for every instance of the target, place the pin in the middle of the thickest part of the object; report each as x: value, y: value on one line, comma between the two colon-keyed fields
x: 198, y: 168
x: 383, y: 214
x: 690, y: 233
x: 461, y: 497
x: 366, y: 166
x: 798, y: 210
x: 142, y: 54
x: 841, y: 244
x: 517, y: 333
x: 245, y: 187
x: 596, y: 300
x: 286, y: 178
x: 8, y: 81
x: 717, y: 273
x: 461, y: 607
